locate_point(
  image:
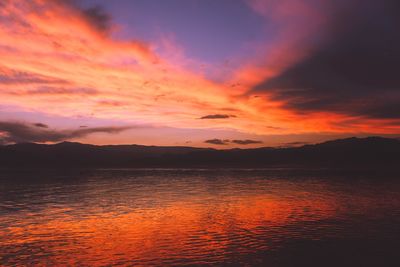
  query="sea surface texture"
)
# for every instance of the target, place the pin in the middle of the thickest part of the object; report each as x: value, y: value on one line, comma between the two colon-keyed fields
x: 275, y: 217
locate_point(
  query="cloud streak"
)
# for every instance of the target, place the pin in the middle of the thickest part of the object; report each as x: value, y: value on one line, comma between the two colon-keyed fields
x: 9, y: 77
x: 40, y: 125
x: 307, y: 78
x: 217, y: 141
x: 246, y: 142
x: 18, y: 132
x: 217, y: 116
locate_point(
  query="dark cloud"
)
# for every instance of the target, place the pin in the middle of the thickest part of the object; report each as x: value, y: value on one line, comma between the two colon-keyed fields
x: 40, y: 125
x: 354, y: 69
x: 17, y: 132
x: 246, y: 142
x: 95, y: 15
x: 98, y: 18
x: 217, y: 142
x: 217, y: 116
x: 237, y: 142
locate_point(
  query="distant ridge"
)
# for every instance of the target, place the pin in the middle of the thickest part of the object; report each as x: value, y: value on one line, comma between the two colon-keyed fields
x: 349, y: 152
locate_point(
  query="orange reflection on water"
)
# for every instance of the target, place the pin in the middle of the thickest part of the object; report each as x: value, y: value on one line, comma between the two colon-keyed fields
x: 192, y: 230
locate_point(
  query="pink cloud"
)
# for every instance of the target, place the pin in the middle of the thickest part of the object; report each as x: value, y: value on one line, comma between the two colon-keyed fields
x: 81, y: 70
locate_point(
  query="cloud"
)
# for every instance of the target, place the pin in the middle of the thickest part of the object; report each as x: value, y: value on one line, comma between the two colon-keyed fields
x: 40, y: 125
x: 111, y: 103
x: 246, y: 142
x: 103, y: 75
x: 295, y: 144
x: 9, y: 76
x: 217, y: 116
x: 84, y: 71
x: 98, y: 18
x: 48, y: 90
x: 354, y: 68
x: 17, y: 132
x: 51, y: 91
x: 237, y: 142
x: 217, y: 141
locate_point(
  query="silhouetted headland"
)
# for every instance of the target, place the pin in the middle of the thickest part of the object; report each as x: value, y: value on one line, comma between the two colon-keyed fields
x: 351, y: 152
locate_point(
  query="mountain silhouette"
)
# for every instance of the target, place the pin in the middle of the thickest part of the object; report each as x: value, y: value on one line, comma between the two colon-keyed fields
x: 350, y: 152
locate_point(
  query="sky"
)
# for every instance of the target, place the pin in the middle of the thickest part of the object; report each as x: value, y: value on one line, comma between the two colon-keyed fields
x: 206, y: 73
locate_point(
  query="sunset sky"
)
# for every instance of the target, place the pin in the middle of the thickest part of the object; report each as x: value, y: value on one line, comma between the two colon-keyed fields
x: 209, y: 73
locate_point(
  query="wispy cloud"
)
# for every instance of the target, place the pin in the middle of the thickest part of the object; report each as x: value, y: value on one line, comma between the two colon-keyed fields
x: 235, y: 141
x: 246, y: 142
x: 295, y: 144
x: 217, y: 141
x: 17, y: 132
x: 217, y: 116
x: 47, y: 90
x: 9, y: 77
x: 82, y: 70
x: 40, y: 125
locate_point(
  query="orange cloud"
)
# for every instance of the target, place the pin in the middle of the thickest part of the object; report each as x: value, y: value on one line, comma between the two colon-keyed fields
x: 57, y: 60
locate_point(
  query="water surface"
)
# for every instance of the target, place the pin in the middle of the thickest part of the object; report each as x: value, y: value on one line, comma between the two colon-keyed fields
x: 199, y: 217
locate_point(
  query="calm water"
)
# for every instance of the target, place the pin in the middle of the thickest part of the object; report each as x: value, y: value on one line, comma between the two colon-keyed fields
x: 186, y: 217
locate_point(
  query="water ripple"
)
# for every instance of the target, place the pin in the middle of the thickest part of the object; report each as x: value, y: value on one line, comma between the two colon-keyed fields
x: 184, y: 217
